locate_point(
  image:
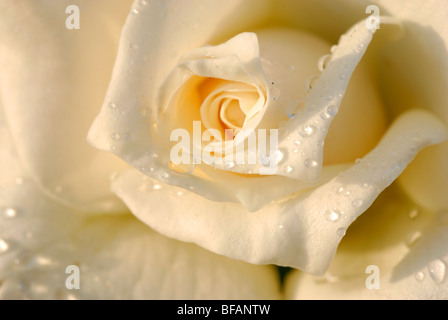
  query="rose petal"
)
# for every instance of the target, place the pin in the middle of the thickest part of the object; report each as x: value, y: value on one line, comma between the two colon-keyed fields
x: 407, y: 244
x: 303, y: 232
x: 154, y: 37
x: 118, y: 257
x: 416, y: 76
x: 51, y: 82
x: 310, y: 127
x: 425, y: 180
x: 256, y: 191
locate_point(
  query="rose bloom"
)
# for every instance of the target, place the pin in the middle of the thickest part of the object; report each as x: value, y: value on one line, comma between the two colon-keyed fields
x: 93, y: 207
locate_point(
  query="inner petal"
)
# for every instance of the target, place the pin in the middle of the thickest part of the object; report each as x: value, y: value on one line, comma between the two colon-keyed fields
x: 227, y: 104
x: 231, y: 114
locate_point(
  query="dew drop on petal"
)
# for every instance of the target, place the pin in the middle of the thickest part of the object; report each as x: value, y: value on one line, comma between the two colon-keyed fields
x: 357, y: 203
x: 288, y: 169
x: 9, y: 212
x: 112, y: 106
x: 332, y: 215
x: 229, y: 165
x: 182, y: 168
x: 323, y: 62
x: 341, y: 232
x: 4, y: 246
x: 419, y: 276
x: 311, y: 82
x: 157, y: 187
x: 413, y: 214
x: 115, y: 136
x: 311, y: 163
x: 264, y: 160
x: 437, y: 271
x: 278, y: 156
x: 412, y: 238
x: 306, y: 131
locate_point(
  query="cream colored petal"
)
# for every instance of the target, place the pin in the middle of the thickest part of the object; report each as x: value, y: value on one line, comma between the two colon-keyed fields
x: 118, y: 257
x: 155, y: 36
x: 321, y: 105
x: 52, y: 81
x: 254, y: 192
x: 302, y: 232
x: 405, y: 242
x: 415, y: 75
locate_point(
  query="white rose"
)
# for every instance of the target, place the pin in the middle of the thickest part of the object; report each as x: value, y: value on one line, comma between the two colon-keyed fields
x: 48, y: 108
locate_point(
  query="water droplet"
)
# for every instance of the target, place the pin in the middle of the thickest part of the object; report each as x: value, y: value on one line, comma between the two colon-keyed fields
x: 357, y: 203
x: 332, y: 215
x: 339, y: 189
x: 180, y: 193
x: 182, y: 168
x: 419, y: 276
x: 413, y: 214
x: 157, y: 187
x: 10, y: 212
x: 134, y: 11
x: 412, y: 238
x: 310, y: 163
x: 341, y: 232
x: 151, y: 154
x: 165, y: 175
x: 323, y: 62
x: 311, y: 82
x: 288, y: 169
x: 307, y: 131
x: 437, y: 271
x: 40, y: 261
x: 112, y: 106
x: 115, y: 136
x: 4, y: 246
x: 332, y: 110
x: 278, y: 156
x: 264, y: 160
x: 229, y: 165
x: 298, y: 142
